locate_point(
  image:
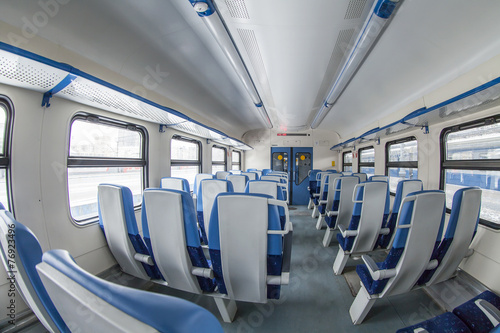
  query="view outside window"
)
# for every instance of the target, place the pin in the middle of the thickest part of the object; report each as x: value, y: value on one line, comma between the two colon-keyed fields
x: 102, y: 152
x: 402, y: 161
x: 472, y: 158
x: 367, y: 161
x: 218, y: 159
x: 236, y: 160
x: 185, y: 158
x: 4, y: 158
x: 347, y: 161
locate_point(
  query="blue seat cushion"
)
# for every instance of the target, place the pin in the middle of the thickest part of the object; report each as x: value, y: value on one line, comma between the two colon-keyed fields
x: 162, y: 312
x: 473, y: 317
x: 445, y: 323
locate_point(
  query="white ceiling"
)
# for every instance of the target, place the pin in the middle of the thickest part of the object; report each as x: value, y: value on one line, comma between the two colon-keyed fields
x: 288, y: 46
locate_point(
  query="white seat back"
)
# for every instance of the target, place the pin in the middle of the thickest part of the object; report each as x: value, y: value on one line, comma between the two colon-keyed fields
x: 210, y: 188
x: 251, y: 175
x: 331, y: 190
x: 198, y: 178
x: 239, y: 182
x: 221, y: 174
x: 346, y: 204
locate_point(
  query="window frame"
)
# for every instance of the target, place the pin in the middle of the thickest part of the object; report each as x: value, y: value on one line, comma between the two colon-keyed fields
x: 481, y: 165
x: 197, y: 162
x: 82, y: 162
x: 344, y: 164
x: 365, y: 164
x: 232, y: 160
x: 400, y: 164
x: 219, y: 162
x: 5, y: 159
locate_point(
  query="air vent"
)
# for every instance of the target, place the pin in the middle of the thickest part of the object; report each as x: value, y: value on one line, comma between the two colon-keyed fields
x: 355, y: 9
x: 252, y: 47
x: 237, y: 9
x: 339, y: 50
x: 13, y: 69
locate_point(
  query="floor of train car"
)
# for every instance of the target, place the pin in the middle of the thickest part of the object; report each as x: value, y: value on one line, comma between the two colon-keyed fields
x: 315, y: 300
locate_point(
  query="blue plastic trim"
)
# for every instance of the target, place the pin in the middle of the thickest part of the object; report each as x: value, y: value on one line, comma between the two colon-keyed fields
x: 77, y: 72
x: 384, y: 8
x: 60, y: 86
x: 425, y: 110
x: 209, y: 11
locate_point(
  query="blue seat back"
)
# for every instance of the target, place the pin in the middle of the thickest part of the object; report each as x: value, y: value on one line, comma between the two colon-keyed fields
x: 198, y: 178
x: 462, y: 226
x: 419, y: 227
x: 170, y: 218
x: 21, y: 270
x: 115, y: 308
x: 473, y: 316
x: 371, y: 201
x: 117, y: 219
x: 175, y: 183
x: 402, y: 190
x: 243, y: 254
x: 209, y: 189
x: 239, y: 182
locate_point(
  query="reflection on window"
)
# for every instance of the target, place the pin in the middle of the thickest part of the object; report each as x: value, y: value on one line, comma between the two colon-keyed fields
x: 5, y: 123
x: 103, y: 151
x: 347, y: 161
x: 185, y: 158
x: 236, y: 160
x: 471, y: 157
x: 367, y: 161
x: 401, y: 161
x: 218, y: 159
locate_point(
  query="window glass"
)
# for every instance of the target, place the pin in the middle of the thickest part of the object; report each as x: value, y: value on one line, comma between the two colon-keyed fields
x: 4, y: 164
x: 218, y: 154
x: 347, y: 161
x: 103, y: 151
x: 236, y: 160
x: 401, y: 161
x: 477, y: 143
x: 185, y: 159
x: 184, y: 150
x: 471, y: 157
x: 367, y: 155
x: 405, y: 151
x: 370, y: 171
x: 89, y: 139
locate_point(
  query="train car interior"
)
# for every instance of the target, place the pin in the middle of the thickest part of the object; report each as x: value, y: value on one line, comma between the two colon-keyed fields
x: 250, y: 166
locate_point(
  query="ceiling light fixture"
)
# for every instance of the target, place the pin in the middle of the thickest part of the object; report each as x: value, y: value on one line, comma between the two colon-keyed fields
x: 213, y: 22
x: 381, y: 11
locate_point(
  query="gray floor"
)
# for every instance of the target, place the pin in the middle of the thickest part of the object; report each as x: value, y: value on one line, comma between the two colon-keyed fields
x: 316, y: 300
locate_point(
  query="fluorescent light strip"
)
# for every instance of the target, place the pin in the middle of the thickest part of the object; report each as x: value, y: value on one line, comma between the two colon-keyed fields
x: 380, y: 14
x: 213, y: 22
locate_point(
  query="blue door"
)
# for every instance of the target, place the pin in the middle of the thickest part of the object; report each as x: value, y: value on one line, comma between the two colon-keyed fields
x: 297, y: 162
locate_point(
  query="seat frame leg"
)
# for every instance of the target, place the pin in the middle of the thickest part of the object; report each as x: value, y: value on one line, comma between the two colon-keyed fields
x: 340, y: 261
x: 315, y: 212
x: 310, y: 205
x: 319, y: 224
x: 328, y: 237
x: 227, y: 308
x: 361, y: 306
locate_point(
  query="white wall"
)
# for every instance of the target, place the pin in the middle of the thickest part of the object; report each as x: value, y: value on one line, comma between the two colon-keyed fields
x: 263, y: 140
x: 484, y: 264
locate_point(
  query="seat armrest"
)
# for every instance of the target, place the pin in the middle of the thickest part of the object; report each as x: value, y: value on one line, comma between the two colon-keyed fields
x: 144, y: 258
x: 385, y: 231
x: 375, y: 272
x: 332, y: 213
x: 203, y: 272
x: 315, y: 194
x: 469, y: 253
x: 432, y: 264
x: 420, y: 330
x: 489, y: 311
x: 347, y: 233
x: 323, y: 202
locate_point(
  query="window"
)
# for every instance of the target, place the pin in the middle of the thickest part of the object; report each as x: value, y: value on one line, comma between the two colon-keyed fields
x: 236, y: 160
x: 5, y: 130
x: 347, y: 161
x: 103, y: 151
x: 218, y: 159
x: 367, y: 161
x: 401, y: 161
x: 470, y: 156
x: 185, y: 158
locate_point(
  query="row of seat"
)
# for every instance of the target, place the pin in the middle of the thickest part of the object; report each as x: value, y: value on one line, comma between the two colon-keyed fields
x: 231, y: 266
x: 481, y: 314
x: 360, y: 212
x: 58, y: 291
